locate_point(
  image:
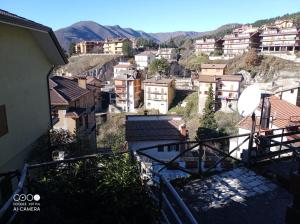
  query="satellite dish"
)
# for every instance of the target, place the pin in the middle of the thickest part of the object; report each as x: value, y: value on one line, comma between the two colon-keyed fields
x: 249, y: 100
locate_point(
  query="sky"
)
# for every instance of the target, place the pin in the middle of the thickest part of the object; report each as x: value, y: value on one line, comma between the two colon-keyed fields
x: 150, y: 15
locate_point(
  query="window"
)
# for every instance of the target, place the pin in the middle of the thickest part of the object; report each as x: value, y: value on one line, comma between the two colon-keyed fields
x: 292, y: 91
x: 160, y: 148
x: 3, y: 121
x: 173, y: 148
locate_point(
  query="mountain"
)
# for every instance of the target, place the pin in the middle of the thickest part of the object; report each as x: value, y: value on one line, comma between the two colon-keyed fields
x: 165, y: 36
x: 89, y: 30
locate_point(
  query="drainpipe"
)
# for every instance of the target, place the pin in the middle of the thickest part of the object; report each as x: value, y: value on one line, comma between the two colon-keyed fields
x: 49, y: 100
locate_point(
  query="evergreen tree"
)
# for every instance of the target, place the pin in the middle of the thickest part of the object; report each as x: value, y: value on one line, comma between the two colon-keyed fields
x: 127, y: 49
x: 208, y: 118
x: 72, y: 49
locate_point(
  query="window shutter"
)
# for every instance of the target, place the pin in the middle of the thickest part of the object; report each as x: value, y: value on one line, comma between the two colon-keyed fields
x: 3, y: 121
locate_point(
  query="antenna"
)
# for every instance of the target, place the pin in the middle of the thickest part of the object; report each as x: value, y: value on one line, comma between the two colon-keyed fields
x: 249, y: 100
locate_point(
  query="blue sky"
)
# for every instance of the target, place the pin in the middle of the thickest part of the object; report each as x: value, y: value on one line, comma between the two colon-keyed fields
x: 150, y: 15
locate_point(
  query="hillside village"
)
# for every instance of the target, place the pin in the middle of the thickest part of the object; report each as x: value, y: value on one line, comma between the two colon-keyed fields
x: 173, y: 109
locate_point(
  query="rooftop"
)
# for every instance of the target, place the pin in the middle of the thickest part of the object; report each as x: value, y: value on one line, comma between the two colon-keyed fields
x: 207, y: 66
x: 158, y: 81
x: 215, y: 78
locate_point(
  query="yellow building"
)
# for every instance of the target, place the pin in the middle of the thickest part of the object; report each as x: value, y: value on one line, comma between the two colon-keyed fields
x: 73, y: 107
x: 85, y: 47
x: 159, y: 94
x: 115, y: 46
x: 213, y: 69
x: 29, y: 51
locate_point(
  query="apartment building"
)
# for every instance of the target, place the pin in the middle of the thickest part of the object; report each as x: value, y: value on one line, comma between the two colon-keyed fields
x: 241, y: 40
x: 208, y: 46
x: 159, y: 94
x: 123, y: 66
x: 281, y: 37
x: 73, y: 107
x: 226, y: 90
x: 128, y: 91
x: 213, y: 69
x: 29, y: 51
x: 144, y: 59
x: 167, y: 53
x: 115, y: 46
x: 86, y: 47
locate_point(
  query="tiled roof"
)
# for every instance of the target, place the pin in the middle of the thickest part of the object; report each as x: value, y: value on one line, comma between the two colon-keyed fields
x: 66, y: 89
x: 158, y: 81
x: 281, y: 112
x: 145, y: 53
x: 214, y: 78
x: 221, y: 66
x: 75, y: 112
x: 207, y: 78
x: 153, y: 130
x: 124, y: 66
x: 236, y: 77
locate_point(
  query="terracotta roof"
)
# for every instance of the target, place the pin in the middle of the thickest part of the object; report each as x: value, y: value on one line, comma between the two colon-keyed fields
x: 236, y: 77
x: 207, y: 78
x: 153, y: 130
x: 145, y: 53
x: 221, y: 66
x: 214, y: 78
x: 281, y: 112
x: 124, y: 66
x: 13, y: 19
x: 66, y: 89
x: 158, y: 81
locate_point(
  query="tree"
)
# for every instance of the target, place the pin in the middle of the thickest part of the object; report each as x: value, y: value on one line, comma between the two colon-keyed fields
x: 160, y: 66
x: 72, y: 49
x: 252, y: 58
x: 127, y: 49
x: 208, y: 118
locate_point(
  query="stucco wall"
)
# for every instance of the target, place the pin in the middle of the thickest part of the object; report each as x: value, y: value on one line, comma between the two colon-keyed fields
x: 24, y: 93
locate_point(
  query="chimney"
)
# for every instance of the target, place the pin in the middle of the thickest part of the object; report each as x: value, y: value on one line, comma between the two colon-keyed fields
x: 82, y: 82
x: 183, y: 131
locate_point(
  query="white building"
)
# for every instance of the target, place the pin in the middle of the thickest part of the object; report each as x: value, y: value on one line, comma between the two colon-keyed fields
x: 226, y: 90
x: 167, y: 53
x: 128, y: 91
x: 159, y: 94
x: 157, y: 132
x: 123, y: 66
x: 290, y: 94
x: 144, y: 59
x: 283, y: 114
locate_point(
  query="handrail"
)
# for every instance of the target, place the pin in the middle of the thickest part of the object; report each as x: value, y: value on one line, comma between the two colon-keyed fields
x: 177, y: 198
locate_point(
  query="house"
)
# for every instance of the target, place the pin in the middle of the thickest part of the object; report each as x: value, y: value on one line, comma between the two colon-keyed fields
x: 281, y: 37
x: 213, y: 69
x: 128, y: 91
x: 85, y: 47
x: 115, y: 46
x: 98, y: 85
x: 29, y: 51
x: 290, y: 94
x: 156, y: 131
x: 208, y: 46
x: 282, y: 114
x: 123, y: 66
x: 159, y: 94
x: 241, y: 40
x: 144, y: 59
x: 167, y: 53
x: 226, y: 90
x: 73, y: 107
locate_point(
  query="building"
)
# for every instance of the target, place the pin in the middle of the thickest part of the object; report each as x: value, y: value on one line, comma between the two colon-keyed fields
x: 213, y: 69
x: 282, y: 115
x: 73, y: 107
x: 97, y: 85
x: 144, y: 59
x: 123, y: 66
x: 159, y: 94
x: 115, y: 46
x: 128, y: 91
x: 29, y: 51
x: 226, y: 90
x: 241, y: 40
x: 167, y: 53
x: 290, y: 94
x: 156, y: 131
x: 208, y: 46
x: 86, y: 47
x: 281, y: 37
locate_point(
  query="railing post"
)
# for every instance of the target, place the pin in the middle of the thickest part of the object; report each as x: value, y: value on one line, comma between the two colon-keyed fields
x: 251, y: 139
x: 160, y: 196
x: 201, y: 152
x: 280, y: 147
